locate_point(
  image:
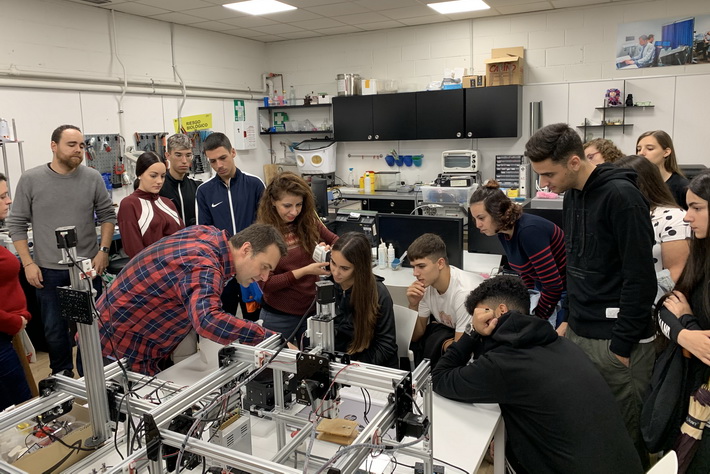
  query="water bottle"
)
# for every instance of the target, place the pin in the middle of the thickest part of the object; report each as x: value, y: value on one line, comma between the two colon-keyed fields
x: 351, y: 178
x: 291, y: 96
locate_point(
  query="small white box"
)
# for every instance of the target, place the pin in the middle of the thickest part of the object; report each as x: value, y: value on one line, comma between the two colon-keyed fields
x: 369, y: 86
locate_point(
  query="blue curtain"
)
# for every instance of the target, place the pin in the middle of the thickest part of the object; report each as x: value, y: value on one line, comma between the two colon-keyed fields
x: 679, y: 33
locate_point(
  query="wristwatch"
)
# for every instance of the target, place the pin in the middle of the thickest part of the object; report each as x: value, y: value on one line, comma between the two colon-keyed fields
x: 104, y: 249
x: 469, y: 330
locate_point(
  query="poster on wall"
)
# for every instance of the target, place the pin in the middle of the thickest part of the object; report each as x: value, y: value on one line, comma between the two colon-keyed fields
x: 666, y: 42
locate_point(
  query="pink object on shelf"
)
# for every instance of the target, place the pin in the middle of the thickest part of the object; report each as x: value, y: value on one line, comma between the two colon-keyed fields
x: 546, y: 195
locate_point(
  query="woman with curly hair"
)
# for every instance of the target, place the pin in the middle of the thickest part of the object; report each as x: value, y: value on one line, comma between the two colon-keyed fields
x: 534, y: 246
x: 601, y: 150
x: 288, y: 204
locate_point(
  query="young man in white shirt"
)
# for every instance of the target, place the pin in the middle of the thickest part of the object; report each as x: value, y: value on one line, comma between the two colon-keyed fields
x: 438, y: 295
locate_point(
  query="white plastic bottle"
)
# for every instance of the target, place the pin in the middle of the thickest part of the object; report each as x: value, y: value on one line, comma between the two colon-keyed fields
x: 368, y: 184
x: 390, y: 254
x: 382, y: 255
x: 351, y: 178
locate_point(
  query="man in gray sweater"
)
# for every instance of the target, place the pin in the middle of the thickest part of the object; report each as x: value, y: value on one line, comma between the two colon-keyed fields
x: 56, y: 194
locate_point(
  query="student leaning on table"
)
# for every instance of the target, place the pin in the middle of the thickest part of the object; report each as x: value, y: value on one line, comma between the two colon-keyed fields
x: 524, y: 366
x: 438, y: 295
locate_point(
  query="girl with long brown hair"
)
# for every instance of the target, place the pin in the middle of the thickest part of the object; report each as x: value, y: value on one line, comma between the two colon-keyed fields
x: 364, y: 320
x: 288, y: 204
x: 657, y: 147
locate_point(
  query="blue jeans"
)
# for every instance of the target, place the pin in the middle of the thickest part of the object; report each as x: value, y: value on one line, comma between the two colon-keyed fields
x: 13, y: 384
x: 284, y: 324
x: 57, y: 329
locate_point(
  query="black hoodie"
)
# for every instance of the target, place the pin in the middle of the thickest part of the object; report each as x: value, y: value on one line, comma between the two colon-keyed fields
x: 559, y: 413
x: 609, y: 240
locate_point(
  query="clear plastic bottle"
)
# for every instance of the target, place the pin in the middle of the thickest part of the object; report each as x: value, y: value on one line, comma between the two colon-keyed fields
x: 351, y: 178
x: 291, y: 96
x: 390, y: 254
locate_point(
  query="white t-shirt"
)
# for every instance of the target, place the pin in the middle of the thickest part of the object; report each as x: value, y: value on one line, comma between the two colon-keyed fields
x: 668, y: 226
x: 448, y: 308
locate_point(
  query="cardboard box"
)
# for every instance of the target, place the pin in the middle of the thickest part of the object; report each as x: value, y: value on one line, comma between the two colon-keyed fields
x: 470, y: 82
x: 45, y: 458
x: 505, y: 66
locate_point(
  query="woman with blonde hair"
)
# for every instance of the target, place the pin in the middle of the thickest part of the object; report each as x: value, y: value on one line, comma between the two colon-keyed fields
x: 657, y: 147
x: 289, y: 294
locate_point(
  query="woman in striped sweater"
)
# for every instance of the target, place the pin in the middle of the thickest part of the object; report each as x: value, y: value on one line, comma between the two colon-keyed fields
x: 534, y: 246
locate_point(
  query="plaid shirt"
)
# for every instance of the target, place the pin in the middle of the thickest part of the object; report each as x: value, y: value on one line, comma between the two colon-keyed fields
x: 166, y: 290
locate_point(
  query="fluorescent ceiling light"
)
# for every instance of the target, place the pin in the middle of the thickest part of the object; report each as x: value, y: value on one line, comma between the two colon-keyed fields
x: 260, y: 7
x: 459, y: 6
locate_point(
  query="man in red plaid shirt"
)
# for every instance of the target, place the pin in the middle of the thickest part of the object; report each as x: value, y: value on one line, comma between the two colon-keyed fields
x: 175, y: 285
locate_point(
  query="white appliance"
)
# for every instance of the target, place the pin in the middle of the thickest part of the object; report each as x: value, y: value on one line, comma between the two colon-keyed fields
x: 459, y: 161
x: 316, y: 156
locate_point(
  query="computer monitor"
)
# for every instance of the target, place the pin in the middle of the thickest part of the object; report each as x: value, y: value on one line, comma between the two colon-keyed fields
x: 319, y: 187
x: 401, y: 230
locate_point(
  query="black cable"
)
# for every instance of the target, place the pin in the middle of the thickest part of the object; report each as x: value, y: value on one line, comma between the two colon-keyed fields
x: 62, y: 442
x: 397, y: 463
x: 367, y: 401
x: 76, y: 446
x: 451, y: 465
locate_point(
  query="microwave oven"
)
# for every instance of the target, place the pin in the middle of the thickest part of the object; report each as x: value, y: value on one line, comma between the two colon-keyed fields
x: 459, y: 161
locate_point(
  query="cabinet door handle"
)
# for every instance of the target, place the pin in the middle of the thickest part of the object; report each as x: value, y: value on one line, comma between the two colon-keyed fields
x: 391, y: 203
x: 369, y: 137
x: 470, y: 134
x: 458, y: 134
x: 377, y: 137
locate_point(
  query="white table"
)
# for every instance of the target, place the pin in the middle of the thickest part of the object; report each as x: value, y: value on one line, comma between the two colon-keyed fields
x: 397, y: 281
x: 461, y: 431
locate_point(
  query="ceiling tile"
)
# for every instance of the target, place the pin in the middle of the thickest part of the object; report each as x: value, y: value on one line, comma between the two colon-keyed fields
x: 411, y: 12
x: 527, y: 7
x: 276, y: 29
x: 381, y: 25
x: 576, y: 3
x: 310, y: 3
x: 175, y: 5
x: 318, y: 24
x: 213, y: 26
x: 294, y: 15
x: 423, y: 20
x: 338, y: 9
x: 176, y: 17
x: 360, y: 18
x: 214, y: 13
x: 267, y: 38
x: 301, y: 34
x: 390, y: 4
x: 339, y: 30
x: 249, y: 21
x: 138, y: 9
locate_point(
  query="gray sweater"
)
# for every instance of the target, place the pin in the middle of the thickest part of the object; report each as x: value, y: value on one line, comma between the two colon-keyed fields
x: 48, y: 200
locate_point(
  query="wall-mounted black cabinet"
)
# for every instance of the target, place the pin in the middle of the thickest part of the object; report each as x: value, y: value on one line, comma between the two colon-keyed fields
x: 375, y: 117
x: 488, y: 112
x: 440, y: 114
x: 494, y: 112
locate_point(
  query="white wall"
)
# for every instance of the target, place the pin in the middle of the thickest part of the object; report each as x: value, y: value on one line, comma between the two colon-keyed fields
x: 569, y: 65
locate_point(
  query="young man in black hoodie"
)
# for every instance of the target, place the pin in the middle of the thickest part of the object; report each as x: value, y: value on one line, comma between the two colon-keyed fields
x: 523, y: 365
x: 611, y: 282
x: 178, y: 186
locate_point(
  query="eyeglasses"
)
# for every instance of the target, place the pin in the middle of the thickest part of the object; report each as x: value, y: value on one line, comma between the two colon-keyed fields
x: 592, y: 155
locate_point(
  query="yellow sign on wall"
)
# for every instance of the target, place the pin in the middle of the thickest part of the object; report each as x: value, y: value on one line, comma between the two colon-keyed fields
x: 194, y: 123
